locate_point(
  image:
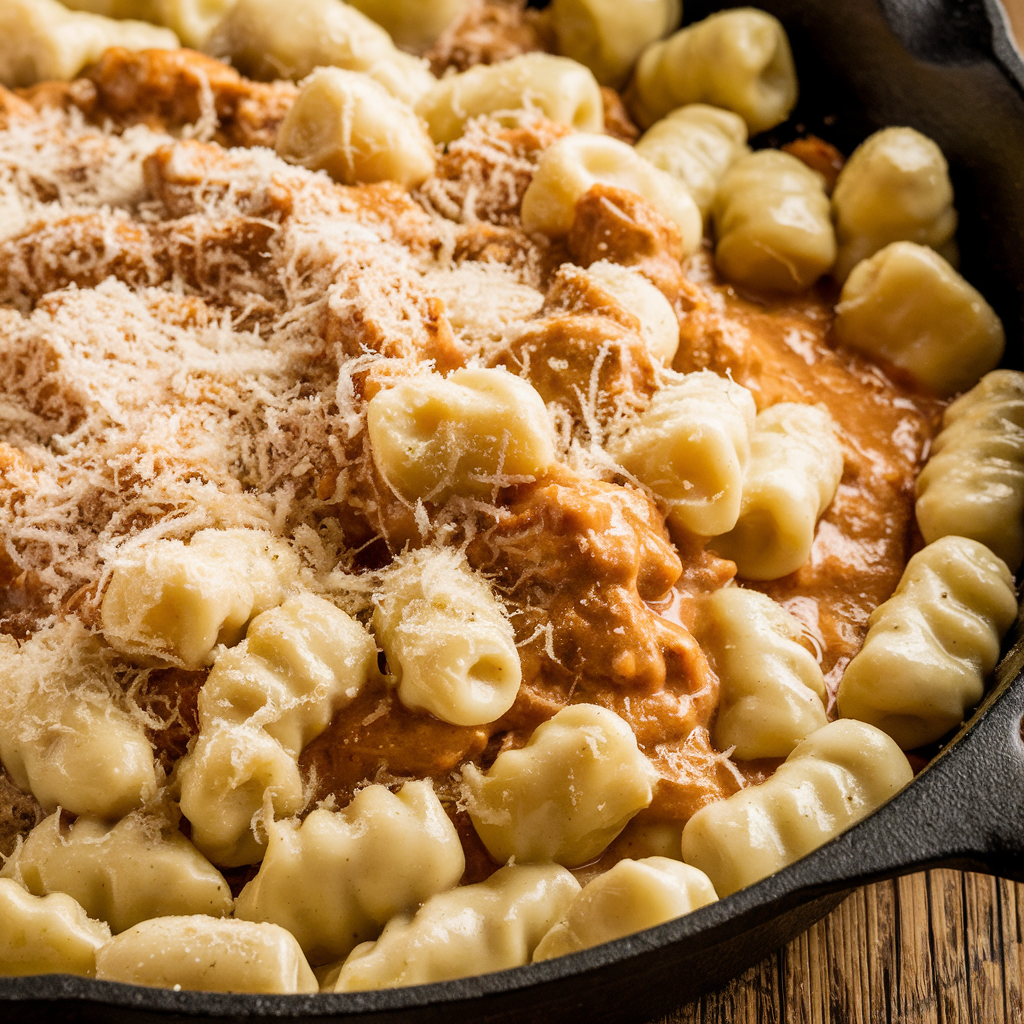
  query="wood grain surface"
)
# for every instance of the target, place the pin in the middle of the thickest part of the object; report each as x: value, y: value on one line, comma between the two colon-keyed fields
x: 939, y: 947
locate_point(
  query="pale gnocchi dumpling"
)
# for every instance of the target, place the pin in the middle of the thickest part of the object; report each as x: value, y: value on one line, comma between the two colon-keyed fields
x: 338, y: 877
x: 556, y: 87
x: 207, y: 954
x: 773, y: 227
x: 46, y: 934
x: 973, y: 483
x: 772, y: 690
x: 629, y: 897
x: 264, y: 43
x: 348, y: 125
x: 191, y: 20
x: 465, y: 434
x: 796, y: 463
x: 63, y: 737
x: 413, y: 24
x: 930, y: 647
x: 895, y: 187
x: 44, y: 40
x: 573, y: 165
x: 696, y: 144
x: 474, y: 929
x: 691, y: 447
x: 908, y: 306
x: 609, y: 35
x: 122, y: 874
x: 659, y: 326
x: 565, y: 795
x: 448, y: 641
x: 175, y: 602
x: 262, y: 702
x: 738, y: 59
x: 831, y: 780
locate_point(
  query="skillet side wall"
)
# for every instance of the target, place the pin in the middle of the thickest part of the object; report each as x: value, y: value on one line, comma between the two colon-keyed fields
x: 863, y: 65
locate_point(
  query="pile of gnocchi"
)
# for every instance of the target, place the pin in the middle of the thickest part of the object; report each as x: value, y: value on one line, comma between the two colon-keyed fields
x: 663, y: 520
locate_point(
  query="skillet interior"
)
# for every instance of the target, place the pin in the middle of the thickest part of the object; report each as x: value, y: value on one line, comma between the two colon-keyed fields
x: 949, y: 70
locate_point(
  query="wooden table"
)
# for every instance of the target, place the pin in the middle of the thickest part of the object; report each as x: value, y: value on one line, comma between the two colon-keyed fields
x: 939, y: 947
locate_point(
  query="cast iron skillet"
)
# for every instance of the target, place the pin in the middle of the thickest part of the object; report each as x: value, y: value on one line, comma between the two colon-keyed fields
x: 948, y: 69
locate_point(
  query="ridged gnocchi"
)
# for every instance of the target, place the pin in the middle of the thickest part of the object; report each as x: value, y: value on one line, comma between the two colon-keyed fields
x: 338, y: 877
x: 557, y: 87
x: 489, y: 926
x: 191, y: 20
x: 930, y: 646
x: 448, y: 642
x: 691, y: 447
x: 627, y: 898
x: 207, y: 954
x: 831, y: 780
x: 973, y: 483
x: 772, y: 689
x: 46, y: 934
x: 608, y: 36
x: 659, y: 326
x: 175, y: 602
x: 894, y: 188
x: 44, y: 40
x: 63, y: 736
x: 412, y: 24
x: 796, y: 463
x: 345, y: 123
x: 465, y: 434
x: 572, y: 166
x: 316, y: 33
x: 122, y: 873
x: 773, y: 230
x: 262, y: 702
x: 696, y: 144
x: 738, y: 59
x: 565, y: 795
x: 908, y: 306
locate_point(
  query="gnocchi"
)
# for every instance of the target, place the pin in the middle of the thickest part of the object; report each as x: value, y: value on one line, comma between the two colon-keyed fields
x: 207, y: 954
x: 448, y: 641
x: 465, y: 434
x: 565, y: 795
x: 122, y: 874
x: 796, y: 463
x: 489, y: 926
x: 175, y: 603
x: 973, y: 483
x: 627, y: 898
x: 46, y: 934
x: 895, y: 187
x: 696, y: 144
x: 571, y: 166
x: 906, y: 305
x: 348, y: 125
x: 773, y: 692
x: 316, y: 33
x: 832, y: 779
x: 557, y: 87
x: 691, y: 447
x: 336, y: 878
x: 261, y: 704
x: 608, y: 36
x: 738, y: 59
x: 772, y: 226
x: 44, y: 40
x: 930, y: 646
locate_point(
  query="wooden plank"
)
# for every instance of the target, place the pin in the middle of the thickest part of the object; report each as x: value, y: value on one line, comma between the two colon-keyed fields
x: 946, y: 910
